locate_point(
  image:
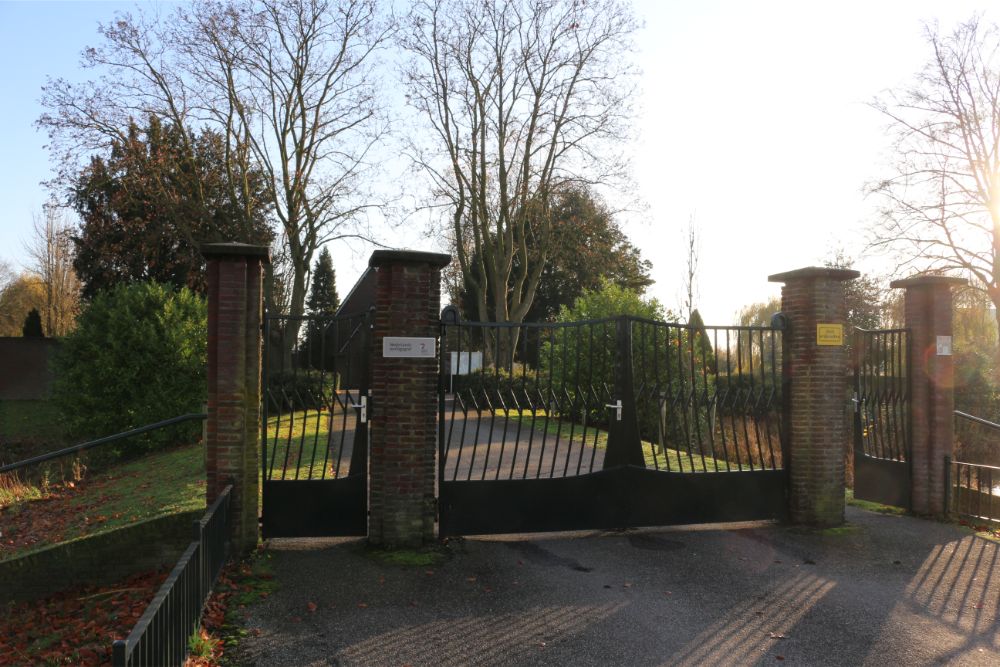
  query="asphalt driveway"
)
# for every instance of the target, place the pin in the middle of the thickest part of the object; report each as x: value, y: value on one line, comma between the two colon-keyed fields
x: 885, y: 590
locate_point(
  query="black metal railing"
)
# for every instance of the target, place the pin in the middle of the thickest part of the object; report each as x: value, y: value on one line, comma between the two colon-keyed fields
x: 881, y: 360
x: 161, y: 635
x: 75, y: 449
x: 711, y: 394
x: 313, y: 387
x: 972, y: 488
x: 530, y: 401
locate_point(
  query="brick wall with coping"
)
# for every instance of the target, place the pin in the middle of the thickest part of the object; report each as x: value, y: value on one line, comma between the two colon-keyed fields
x: 403, y: 428
x: 97, y: 560
x: 235, y: 310
x: 928, y: 314
x: 817, y: 381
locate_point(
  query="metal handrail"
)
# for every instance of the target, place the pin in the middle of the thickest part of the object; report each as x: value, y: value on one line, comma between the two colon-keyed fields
x: 102, y: 441
x: 978, y: 420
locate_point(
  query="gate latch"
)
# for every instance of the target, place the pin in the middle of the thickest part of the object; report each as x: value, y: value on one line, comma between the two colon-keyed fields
x: 617, y: 405
x: 363, y: 406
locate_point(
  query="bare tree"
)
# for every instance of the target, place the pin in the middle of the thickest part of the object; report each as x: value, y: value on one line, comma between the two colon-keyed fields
x: 519, y: 98
x: 940, y: 208
x: 693, y: 252
x: 18, y: 297
x: 51, y: 252
x: 289, y: 83
x: 6, y: 275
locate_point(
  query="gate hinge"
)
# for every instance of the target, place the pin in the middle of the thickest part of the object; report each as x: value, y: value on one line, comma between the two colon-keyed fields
x: 617, y: 405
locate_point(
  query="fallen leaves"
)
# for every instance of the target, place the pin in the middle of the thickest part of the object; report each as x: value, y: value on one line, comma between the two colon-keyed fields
x: 76, y: 626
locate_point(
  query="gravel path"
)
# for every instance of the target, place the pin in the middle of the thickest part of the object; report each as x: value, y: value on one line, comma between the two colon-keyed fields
x: 883, y: 590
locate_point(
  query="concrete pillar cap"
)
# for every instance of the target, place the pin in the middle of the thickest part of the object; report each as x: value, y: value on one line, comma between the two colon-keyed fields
x: 383, y: 257
x: 233, y: 249
x: 813, y: 273
x: 929, y: 281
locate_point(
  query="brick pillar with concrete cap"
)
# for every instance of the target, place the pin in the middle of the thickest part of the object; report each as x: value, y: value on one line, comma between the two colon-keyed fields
x: 404, y: 383
x: 235, y: 311
x: 815, y: 371
x: 928, y: 316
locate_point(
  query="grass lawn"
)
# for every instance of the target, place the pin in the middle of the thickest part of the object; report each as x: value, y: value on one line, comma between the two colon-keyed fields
x: 669, y: 459
x: 156, y: 485
x: 297, y: 444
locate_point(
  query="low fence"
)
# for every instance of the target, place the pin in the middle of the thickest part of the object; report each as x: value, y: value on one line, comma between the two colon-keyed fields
x: 161, y: 635
x: 972, y: 490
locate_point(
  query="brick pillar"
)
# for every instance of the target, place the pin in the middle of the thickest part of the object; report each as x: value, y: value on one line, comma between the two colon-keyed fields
x: 235, y: 309
x: 403, y: 430
x: 815, y: 367
x: 928, y: 317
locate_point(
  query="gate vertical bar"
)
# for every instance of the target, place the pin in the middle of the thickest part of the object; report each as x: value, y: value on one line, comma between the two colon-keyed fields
x: 624, y: 446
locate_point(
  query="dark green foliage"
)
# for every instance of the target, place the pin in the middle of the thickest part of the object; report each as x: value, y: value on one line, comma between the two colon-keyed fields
x: 500, y: 389
x: 319, y: 346
x: 147, y: 207
x: 300, y: 390
x: 581, y: 360
x: 32, y: 327
x: 323, y: 299
x: 137, y: 356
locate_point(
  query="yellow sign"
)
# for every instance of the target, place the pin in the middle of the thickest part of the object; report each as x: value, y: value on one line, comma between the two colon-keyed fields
x: 829, y: 334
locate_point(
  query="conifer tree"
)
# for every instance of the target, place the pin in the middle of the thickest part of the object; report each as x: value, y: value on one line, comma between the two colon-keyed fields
x: 33, y: 325
x: 322, y: 305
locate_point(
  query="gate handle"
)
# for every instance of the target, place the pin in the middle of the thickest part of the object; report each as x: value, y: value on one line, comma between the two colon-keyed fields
x: 857, y: 402
x: 364, y: 409
x: 618, y: 408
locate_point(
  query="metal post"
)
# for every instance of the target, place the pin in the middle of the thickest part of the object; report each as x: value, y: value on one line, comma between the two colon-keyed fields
x: 624, y: 446
x: 947, y: 485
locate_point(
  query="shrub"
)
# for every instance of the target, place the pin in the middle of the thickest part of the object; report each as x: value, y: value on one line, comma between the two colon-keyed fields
x: 306, y: 389
x: 137, y: 356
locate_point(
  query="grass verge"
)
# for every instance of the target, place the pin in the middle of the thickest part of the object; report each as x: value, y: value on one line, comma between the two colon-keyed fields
x: 156, y: 485
x: 873, y: 507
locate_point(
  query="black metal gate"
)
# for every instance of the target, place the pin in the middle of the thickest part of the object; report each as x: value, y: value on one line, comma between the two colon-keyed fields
x: 608, y: 424
x: 882, y: 416
x: 315, y: 426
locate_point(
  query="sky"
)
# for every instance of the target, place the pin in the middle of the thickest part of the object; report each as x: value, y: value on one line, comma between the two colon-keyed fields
x: 753, y: 121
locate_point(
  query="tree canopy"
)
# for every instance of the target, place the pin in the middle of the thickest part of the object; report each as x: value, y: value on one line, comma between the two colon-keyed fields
x: 588, y: 249
x: 520, y: 99
x: 147, y: 205
x: 940, y: 201
x: 288, y: 85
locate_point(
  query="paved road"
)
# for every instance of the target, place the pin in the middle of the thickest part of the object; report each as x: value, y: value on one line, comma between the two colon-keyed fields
x: 885, y: 591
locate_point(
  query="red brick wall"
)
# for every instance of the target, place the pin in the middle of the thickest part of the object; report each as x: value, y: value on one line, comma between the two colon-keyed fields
x: 25, y: 368
x: 235, y: 306
x: 403, y: 430
x: 817, y: 374
x: 928, y: 314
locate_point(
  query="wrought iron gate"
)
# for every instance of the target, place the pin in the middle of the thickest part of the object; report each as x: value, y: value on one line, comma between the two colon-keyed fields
x: 608, y: 424
x: 315, y: 426
x: 882, y: 416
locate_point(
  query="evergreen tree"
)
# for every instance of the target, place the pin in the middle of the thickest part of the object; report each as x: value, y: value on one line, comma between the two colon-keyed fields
x: 322, y: 305
x: 323, y: 299
x: 33, y: 325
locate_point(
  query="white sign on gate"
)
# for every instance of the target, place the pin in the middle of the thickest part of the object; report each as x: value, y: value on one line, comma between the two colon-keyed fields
x: 463, y: 363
